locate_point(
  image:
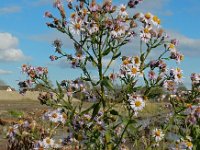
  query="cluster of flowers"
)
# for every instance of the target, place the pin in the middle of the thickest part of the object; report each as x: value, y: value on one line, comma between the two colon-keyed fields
x: 150, y: 30
x: 22, y: 134
x: 193, y: 114
x: 56, y: 116
x: 176, y: 55
x: 73, y: 86
x: 34, y: 72
x: 162, y: 68
x: 195, y: 79
x: 137, y: 103
x: 14, y: 131
x: 184, y: 144
x: 50, y: 143
x: 130, y: 68
x: 173, y: 79
x: 86, y: 21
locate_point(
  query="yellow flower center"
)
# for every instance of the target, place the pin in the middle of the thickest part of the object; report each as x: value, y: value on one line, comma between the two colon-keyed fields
x: 54, y: 115
x: 134, y: 70
x: 171, y: 46
x: 156, y: 19
x: 189, y: 144
x: 126, y: 62
x: 146, y: 30
x: 137, y: 60
x: 179, y: 75
x: 48, y: 141
x: 123, y: 9
x: 85, y: 11
x: 182, y: 57
x: 147, y: 15
x: 138, y: 103
x: 77, y: 26
x: 73, y: 15
x: 189, y: 105
x: 21, y: 122
x: 64, y: 116
x: 157, y: 133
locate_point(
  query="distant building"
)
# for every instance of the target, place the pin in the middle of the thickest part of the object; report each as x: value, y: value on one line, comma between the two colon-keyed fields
x: 6, y: 88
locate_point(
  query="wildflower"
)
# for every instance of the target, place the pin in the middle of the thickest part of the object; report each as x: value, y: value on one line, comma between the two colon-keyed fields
x: 145, y: 35
x: 48, y: 14
x: 48, y: 142
x: 137, y: 60
x: 52, y: 57
x: 191, y: 119
x: 170, y: 85
x: 147, y: 17
x: 156, y: 21
x: 197, y: 112
x: 136, y: 103
x: 195, y: 78
x: 158, y: 134
x: 185, y: 143
x: 12, y: 131
x: 171, y: 47
x: 93, y: 28
x: 122, y: 11
x: 133, y: 71
x: 54, y: 116
x: 176, y: 75
x: 76, y: 26
x: 94, y: 7
x: 152, y: 75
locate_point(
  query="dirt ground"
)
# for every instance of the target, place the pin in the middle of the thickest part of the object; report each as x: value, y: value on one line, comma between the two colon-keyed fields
x: 11, y: 103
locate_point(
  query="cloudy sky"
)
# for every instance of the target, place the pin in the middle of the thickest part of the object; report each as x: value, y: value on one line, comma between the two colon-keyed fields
x: 25, y: 38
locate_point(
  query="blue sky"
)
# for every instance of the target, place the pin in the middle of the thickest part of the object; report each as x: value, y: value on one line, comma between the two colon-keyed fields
x: 25, y: 38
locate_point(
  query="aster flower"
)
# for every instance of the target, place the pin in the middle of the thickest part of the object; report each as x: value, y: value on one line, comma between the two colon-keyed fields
x: 171, y: 47
x: 136, y: 103
x: 157, y: 134
x: 48, y: 142
x: 54, y: 116
x: 93, y: 28
x: 152, y: 75
x: 93, y: 7
x: 76, y: 26
x: 122, y: 11
x: 147, y: 17
x: 156, y: 21
x: 170, y: 85
x: 133, y: 71
x: 145, y: 35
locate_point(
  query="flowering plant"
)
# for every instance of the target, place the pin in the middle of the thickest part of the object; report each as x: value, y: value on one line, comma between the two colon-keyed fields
x: 99, y: 31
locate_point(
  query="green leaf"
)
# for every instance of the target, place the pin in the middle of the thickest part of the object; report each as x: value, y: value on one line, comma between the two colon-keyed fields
x: 142, y: 57
x: 116, y: 56
x: 61, y: 95
x: 107, y: 83
x: 106, y: 52
x: 95, y: 110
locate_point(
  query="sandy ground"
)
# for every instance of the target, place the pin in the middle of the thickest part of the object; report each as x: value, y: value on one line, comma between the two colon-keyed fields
x: 12, y: 96
x: 4, y: 95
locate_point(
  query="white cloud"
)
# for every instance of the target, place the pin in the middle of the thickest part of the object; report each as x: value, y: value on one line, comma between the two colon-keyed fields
x: 3, y: 72
x: 10, y: 9
x: 9, y: 50
x: 189, y: 46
